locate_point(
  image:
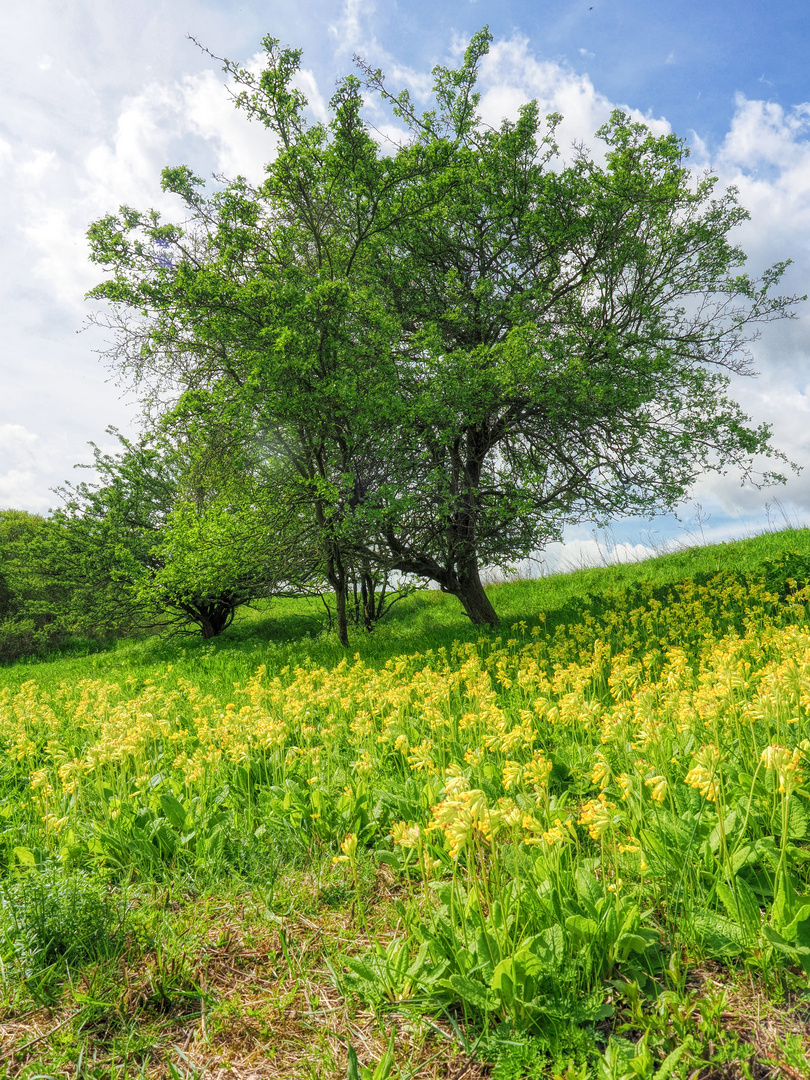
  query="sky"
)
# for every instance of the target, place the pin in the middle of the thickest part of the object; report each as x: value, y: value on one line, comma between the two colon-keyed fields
x: 99, y: 97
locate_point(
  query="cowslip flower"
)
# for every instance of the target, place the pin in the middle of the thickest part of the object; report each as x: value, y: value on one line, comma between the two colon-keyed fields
x: 537, y: 770
x: 349, y: 849
x: 600, y: 774
x: 703, y: 774
x: 658, y: 786
x: 555, y: 835
x: 596, y: 814
x: 786, y: 765
x: 407, y: 836
x: 460, y: 816
x: 512, y: 774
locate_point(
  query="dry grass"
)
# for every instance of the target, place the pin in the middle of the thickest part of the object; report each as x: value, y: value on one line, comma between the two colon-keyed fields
x: 238, y: 996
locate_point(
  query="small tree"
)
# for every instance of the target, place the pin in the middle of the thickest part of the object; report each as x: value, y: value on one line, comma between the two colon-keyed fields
x: 177, y: 534
x: 32, y: 601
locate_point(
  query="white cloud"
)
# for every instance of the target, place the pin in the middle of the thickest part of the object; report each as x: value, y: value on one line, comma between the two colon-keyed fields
x: 22, y: 460
x: 764, y: 133
x: 6, y: 156
x: 348, y: 31
x: 37, y: 165
x: 577, y: 553
x: 512, y: 74
x: 17, y: 444
x: 242, y: 147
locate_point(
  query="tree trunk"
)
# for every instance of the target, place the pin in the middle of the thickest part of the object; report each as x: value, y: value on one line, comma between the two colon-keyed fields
x: 340, y: 616
x: 474, y: 600
x: 337, y: 577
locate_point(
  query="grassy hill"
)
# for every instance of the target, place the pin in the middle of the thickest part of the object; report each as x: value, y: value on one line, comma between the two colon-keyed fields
x: 574, y: 846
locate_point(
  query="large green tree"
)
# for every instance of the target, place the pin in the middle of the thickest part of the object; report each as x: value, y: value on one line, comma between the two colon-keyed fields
x: 32, y: 601
x: 567, y: 334
x: 460, y: 344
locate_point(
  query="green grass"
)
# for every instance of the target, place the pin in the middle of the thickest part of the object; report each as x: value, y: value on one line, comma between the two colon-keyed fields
x: 573, y: 846
x: 289, y: 631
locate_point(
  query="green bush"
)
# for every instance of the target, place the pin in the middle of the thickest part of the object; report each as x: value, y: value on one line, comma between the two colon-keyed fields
x: 21, y: 637
x: 49, y: 919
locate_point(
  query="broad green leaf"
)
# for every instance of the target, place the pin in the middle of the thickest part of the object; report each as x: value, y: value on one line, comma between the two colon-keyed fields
x: 589, y: 891
x: 670, y: 1062
x: 718, y: 935
x: 472, y: 992
x: 581, y: 928
x: 173, y: 810
x: 798, y: 820
x: 741, y: 904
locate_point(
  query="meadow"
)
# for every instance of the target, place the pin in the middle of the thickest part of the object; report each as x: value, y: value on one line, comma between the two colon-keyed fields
x: 577, y: 846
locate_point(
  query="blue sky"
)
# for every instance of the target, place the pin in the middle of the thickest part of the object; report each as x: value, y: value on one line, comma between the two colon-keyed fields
x: 98, y: 97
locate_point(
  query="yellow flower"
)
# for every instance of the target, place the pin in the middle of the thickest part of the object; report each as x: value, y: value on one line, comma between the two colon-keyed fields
x: 703, y: 775
x: 512, y: 774
x: 349, y: 849
x: 365, y: 766
x: 537, y: 770
x: 533, y: 828
x: 659, y: 786
x: 407, y: 836
x: 596, y: 814
x: 626, y: 784
x: 600, y: 774
x: 420, y: 758
x: 510, y: 814
x: 555, y: 835
x: 787, y: 766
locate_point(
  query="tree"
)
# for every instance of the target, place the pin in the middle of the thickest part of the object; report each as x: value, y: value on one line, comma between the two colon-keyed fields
x: 460, y: 346
x: 32, y: 602
x: 566, y: 335
x: 178, y: 533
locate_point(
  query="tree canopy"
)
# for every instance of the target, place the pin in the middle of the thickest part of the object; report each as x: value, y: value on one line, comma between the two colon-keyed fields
x: 457, y: 345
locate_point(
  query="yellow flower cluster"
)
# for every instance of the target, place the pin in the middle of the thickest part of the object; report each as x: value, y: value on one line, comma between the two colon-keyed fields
x: 551, y: 740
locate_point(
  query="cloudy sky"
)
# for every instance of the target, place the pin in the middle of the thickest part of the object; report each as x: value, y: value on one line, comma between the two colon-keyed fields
x: 99, y: 96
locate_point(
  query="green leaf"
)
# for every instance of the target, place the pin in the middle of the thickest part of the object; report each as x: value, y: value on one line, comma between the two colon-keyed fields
x: 386, y: 1063
x: 667, y: 1066
x: 580, y: 928
x: 173, y: 810
x: 633, y: 942
x: 719, y: 936
x: 471, y: 992
x: 741, y: 905
x: 552, y: 940
x: 388, y: 858
x: 798, y: 820
x: 589, y: 891
x: 742, y: 857
x: 353, y: 1070
x: 363, y: 970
